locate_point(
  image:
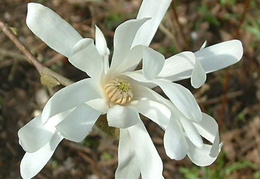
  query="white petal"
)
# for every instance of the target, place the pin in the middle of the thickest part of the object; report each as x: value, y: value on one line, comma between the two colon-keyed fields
x: 89, y: 61
x: 123, y: 39
x: 152, y: 63
x: 176, y: 65
x: 198, y: 76
x: 77, y: 125
x: 32, y: 163
x: 212, y: 58
x: 132, y: 59
x: 219, y: 56
x: 154, y: 10
x: 101, y: 45
x: 200, y: 155
x: 148, y: 158
x: 99, y: 104
x: 82, y: 44
x: 182, y: 98
x: 203, y: 45
x: 128, y: 167
x: 100, y: 42
x: 174, y: 141
x: 207, y: 127
x: 122, y: 116
x: 191, y: 132
x: 51, y: 29
x: 70, y: 97
x: 35, y: 134
x: 155, y: 111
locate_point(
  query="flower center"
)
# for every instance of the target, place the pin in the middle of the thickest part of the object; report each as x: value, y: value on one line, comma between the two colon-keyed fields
x: 119, y: 91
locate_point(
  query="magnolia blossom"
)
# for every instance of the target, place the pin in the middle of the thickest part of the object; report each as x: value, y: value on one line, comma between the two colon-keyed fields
x: 121, y: 92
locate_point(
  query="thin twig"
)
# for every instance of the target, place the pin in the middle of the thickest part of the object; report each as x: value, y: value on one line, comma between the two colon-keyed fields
x: 175, y: 14
x: 31, y: 59
x: 227, y: 74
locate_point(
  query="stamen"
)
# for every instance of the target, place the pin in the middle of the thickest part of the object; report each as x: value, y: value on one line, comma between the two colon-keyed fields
x: 119, y: 91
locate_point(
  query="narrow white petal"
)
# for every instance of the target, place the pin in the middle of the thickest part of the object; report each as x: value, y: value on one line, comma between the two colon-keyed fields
x: 100, y: 42
x: 89, y: 61
x: 101, y: 45
x: 182, y: 98
x: 155, y: 111
x: 123, y: 39
x: 201, y: 155
x: 153, y: 63
x: 122, y: 116
x: 70, y: 97
x: 175, y: 66
x: 191, y: 131
x: 148, y: 158
x: 174, y: 141
x: 128, y: 167
x: 198, y: 76
x: 219, y: 56
x: 77, y: 125
x: 212, y: 58
x: 35, y: 134
x: 32, y: 163
x: 51, y: 29
x: 207, y: 127
x: 154, y: 10
x: 203, y: 45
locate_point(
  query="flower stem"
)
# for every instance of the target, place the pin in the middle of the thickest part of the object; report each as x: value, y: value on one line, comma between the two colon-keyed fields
x: 43, y: 71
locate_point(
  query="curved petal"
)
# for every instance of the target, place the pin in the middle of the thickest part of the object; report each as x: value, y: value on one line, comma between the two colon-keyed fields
x: 35, y: 134
x: 175, y: 143
x: 51, y: 29
x: 154, y: 10
x: 219, y: 56
x: 32, y: 163
x: 77, y: 125
x: 176, y: 65
x: 212, y: 58
x: 201, y: 155
x: 182, y: 99
x: 198, y: 75
x: 123, y: 39
x: 153, y: 63
x: 148, y: 158
x: 128, y: 167
x: 155, y: 111
x: 89, y: 61
x: 122, y: 116
x: 81, y: 44
x: 208, y: 128
x: 101, y: 45
x: 99, y: 104
x: 191, y: 132
x: 70, y: 97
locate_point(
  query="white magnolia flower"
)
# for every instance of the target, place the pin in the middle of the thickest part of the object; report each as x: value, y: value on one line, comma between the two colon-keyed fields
x: 122, y: 93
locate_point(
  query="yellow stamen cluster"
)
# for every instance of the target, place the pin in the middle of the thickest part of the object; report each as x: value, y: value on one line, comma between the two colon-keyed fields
x: 119, y: 91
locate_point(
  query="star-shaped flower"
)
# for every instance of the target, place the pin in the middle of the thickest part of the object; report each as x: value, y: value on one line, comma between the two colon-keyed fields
x: 122, y: 92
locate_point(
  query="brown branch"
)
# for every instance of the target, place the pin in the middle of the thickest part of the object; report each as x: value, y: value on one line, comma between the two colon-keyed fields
x: 227, y: 74
x: 175, y: 14
x: 48, y: 77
